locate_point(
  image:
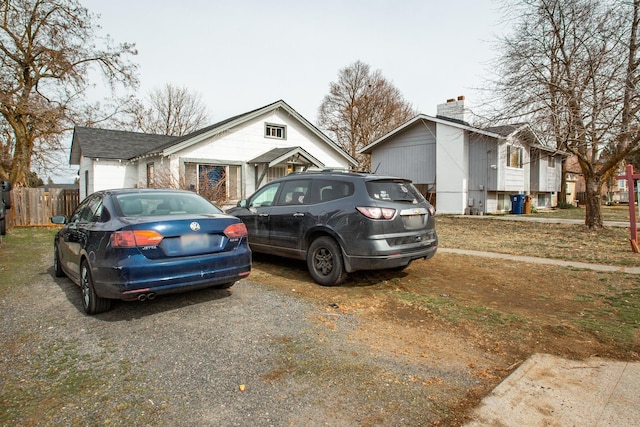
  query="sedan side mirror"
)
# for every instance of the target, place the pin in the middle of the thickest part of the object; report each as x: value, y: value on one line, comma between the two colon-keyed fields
x: 242, y: 203
x: 59, y: 219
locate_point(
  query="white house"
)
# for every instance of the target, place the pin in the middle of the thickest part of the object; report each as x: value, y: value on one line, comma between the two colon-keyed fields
x: 236, y: 155
x: 468, y: 170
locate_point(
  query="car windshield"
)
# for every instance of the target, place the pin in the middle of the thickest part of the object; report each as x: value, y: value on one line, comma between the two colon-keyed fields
x: 164, y: 203
x: 394, y: 190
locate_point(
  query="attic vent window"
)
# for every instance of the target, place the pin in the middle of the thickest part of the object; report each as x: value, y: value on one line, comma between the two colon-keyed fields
x: 275, y: 131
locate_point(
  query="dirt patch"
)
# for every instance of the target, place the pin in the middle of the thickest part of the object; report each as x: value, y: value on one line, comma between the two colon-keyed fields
x: 477, y: 314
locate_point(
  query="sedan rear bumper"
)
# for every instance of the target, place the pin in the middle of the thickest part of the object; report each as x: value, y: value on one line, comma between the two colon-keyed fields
x: 136, y: 276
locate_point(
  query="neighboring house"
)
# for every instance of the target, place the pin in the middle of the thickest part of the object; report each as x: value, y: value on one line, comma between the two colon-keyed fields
x: 467, y: 170
x: 234, y: 156
x: 613, y: 190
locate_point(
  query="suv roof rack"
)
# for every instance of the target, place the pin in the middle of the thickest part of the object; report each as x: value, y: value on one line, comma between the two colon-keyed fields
x: 330, y: 170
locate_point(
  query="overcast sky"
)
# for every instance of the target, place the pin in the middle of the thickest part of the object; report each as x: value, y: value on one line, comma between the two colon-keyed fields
x: 244, y: 54
x: 241, y: 55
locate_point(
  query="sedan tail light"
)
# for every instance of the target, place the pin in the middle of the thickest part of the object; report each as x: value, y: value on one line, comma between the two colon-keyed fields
x: 134, y: 238
x: 236, y: 231
x: 376, y: 213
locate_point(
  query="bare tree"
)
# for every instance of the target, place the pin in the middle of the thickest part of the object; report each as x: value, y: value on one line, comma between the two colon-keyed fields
x: 47, y: 48
x: 361, y: 107
x: 170, y: 110
x: 572, y: 68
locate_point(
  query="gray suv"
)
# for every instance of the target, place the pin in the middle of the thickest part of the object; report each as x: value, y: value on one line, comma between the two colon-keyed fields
x: 340, y: 222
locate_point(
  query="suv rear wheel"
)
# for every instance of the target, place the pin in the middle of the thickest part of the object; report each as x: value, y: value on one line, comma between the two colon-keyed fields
x: 324, y: 261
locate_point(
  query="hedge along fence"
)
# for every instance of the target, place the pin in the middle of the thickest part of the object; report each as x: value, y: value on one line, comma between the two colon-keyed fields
x: 35, y: 206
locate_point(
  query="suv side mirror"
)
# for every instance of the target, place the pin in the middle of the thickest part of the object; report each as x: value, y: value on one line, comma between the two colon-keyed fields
x: 242, y: 203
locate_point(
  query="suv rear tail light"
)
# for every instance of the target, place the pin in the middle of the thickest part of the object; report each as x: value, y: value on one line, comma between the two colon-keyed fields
x: 236, y: 231
x: 376, y: 213
x: 134, y: 238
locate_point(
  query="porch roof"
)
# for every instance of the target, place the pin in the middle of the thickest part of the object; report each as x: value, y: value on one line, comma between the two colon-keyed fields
x: 278, y: 155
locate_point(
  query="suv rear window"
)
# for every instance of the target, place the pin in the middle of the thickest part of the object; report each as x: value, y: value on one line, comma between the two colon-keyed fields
x: 326, y: 190
x: 394, y: 191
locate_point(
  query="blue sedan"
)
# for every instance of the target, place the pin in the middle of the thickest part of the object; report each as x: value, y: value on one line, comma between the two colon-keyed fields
x: 138, y: 243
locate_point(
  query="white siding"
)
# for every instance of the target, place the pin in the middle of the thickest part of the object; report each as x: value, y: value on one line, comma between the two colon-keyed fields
x: 110, y: 174
x: 452, y: 169
x: 248, y: 141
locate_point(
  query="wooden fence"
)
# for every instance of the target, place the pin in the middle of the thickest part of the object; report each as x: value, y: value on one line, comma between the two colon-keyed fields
x: 35, y: 206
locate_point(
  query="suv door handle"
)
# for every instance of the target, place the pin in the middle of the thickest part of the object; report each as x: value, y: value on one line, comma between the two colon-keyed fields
x: 263, y: 215
x: 297, y: 214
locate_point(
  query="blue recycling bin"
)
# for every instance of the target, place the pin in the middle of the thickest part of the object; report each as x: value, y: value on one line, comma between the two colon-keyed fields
x: 517, y: 204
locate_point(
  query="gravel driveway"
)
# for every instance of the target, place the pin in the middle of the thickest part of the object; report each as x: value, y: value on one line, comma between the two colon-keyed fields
x: 185, y: 360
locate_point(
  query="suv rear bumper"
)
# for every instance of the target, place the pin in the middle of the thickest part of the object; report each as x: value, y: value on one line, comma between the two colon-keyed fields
x: 381, y: 262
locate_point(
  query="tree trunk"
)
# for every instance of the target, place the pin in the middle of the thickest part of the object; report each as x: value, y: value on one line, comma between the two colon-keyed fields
x: 562, y: 196
x: 21, y: 163
x: 593, y: 216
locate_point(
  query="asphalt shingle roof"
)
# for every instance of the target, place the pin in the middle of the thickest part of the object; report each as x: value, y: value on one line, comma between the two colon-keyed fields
x: 113, y: 144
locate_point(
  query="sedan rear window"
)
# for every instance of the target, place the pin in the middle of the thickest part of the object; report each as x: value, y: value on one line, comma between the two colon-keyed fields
x: 394, y: 191
x: 164, y: 203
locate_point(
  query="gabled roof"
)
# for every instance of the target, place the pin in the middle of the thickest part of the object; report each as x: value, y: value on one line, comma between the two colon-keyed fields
x: 120, y: 145
x: 278, y: 155
x: 498, y: 132
x: 442, y: 120
x: 112, y: 144
x: 527, y: 134
x: 225, y: 125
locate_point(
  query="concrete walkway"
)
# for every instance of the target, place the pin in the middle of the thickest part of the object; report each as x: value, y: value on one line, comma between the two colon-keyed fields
x: 536, y: 260
x: 547, y: 220
x: 550, y: 391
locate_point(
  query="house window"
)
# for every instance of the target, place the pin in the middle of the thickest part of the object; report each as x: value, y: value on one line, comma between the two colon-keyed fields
x: 504, y: 203
x: 514, y: 156
x: 212, y: 182
x: 215, y: 182
x: 150, y: 175
x: 275, y: 131
x: 552, y: 161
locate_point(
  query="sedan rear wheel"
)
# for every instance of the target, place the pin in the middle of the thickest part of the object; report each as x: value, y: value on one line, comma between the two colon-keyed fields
x: 56, y: 262
x: 324, y: 261
x: 91, y: 302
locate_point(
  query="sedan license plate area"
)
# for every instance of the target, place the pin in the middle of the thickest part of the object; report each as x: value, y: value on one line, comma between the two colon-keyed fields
x: 194, y: 242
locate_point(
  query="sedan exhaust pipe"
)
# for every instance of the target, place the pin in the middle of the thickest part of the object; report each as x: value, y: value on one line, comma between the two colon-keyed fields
x: 149, y: 296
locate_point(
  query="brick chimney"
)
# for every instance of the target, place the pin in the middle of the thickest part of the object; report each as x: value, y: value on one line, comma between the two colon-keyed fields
x: 453, y: 109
